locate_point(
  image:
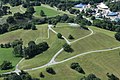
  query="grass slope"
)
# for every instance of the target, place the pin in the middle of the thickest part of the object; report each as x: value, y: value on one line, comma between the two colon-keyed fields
x: 96, y: 63
x: 41, y: 59
x: 6, y: 54
x: 26, y: 35
x: 97, y: 41
x: 48, y: 11
x: 66, y: 30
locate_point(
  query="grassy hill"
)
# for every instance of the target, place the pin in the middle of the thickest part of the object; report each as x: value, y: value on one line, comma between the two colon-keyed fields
x: 99, y: 40
x: 47, y: 10
x: 6, y: 54
x: 25, y: 35
x: 96, y: 63
x: 67, y: 29
x: 55, y: 45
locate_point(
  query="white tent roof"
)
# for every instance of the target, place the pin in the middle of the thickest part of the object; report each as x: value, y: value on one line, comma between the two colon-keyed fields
x: 103, y: 6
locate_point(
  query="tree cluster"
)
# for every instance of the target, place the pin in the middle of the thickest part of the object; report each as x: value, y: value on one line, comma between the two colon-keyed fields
x: 106, y: 24
x: 32, y: 50
x: 23, y: 76
x: 90, y: 77
x: 6, y: 65
x: 112, y: 77
x: 114, y: 6
x: 12, y: 44
x: 4, y: 10
x: 77, y: 67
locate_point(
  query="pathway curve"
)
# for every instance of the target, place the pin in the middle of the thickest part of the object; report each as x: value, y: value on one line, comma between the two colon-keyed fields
x: 52, y: 61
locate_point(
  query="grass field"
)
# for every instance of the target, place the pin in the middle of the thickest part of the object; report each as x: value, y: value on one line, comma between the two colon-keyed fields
x: 48, y: 11
x: 99, y: 40
x: 41, y: 59
x: 66, y: 30
x: 96, y: 63
x: 6, y: 54
x: 25, y: 35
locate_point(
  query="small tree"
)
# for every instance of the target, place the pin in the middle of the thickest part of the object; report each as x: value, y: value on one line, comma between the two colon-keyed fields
x: 67, y: 48
x: 42, y: 13
x: 50, y: 70
x: 59, y: 35
x: 41, y: 75
x: 70, y: 37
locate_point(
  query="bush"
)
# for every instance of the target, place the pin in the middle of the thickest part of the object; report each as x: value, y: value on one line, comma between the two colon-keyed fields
x: 59, y: 35
x: 67, y: 48
x: 117, y: 36
x: 50, y: 70
x: 6, y: 65
x: 42, y: 75
x: 70, y: 37
x: 77, y: 67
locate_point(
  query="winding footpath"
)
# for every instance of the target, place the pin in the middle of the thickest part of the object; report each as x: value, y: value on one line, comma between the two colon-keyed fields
x: 52, y: 61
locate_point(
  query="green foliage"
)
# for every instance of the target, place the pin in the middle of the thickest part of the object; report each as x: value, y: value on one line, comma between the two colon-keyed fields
x: 77, y: 67
x: 67, y: 48
x: 6, y: 65
x: 42, y: 13
x: 90, y: 77
x: 59, y: 35
x: 11, y: 20
x: 117, y: 36
x: 70, y: 37
x: 112, y: 77
x: 42, y: 75
x: 50, y: 70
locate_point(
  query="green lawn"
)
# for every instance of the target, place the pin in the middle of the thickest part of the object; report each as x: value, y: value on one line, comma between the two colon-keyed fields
x: 26, y: 35
x: 41, y: 59
x: 47, y: 10
x: 6, y: 54
x: 66, y: 30
x: 96, y: 63
x: 107, y: 32
x: 99, y: 40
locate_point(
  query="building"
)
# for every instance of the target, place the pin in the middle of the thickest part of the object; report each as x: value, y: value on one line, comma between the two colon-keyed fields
x: 102, y: 6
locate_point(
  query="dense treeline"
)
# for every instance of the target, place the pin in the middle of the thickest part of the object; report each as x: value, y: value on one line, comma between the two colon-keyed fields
x: 6, y: 65
x: 90, y: 77
x: 107, y: 24
x: 23, y: 76
x: 32, y: 50
x: 114, y: 6
x: 4, y: 10
x: 19, y: 21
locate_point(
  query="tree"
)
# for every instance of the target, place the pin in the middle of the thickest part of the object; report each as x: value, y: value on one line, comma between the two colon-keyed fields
x: 18, y: 15
x: 11, y: 20
x: 30, y: 10
x: 18, y: 51
x: 93, y: 18
x: 42, y: 13
x: 77, y: 67
x: 117, y: 36
x: 50, y: 70
x: 90, y: 77
x: 59, y: 35
x: 70, y: 37
x: 67, y: 48
x: 112, y: 77
x: 6, y: 65
x: 42, y: 75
